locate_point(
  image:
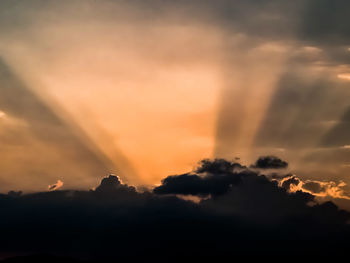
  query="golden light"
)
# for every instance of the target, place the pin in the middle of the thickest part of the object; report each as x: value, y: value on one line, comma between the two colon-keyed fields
x: 344, y: 76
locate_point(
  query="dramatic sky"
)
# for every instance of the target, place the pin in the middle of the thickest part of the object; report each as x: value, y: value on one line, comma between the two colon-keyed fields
x: 161, y: 128
x: 147, y: 88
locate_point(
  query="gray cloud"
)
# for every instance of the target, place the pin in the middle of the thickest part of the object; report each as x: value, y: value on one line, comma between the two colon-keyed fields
x: 325, y: 21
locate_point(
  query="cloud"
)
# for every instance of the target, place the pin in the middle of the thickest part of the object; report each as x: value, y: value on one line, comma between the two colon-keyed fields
x: 270, y: 162
x: 210, y: 178
x: 215, y: 177
x: 242, y: 35
x: 325, y: 20
x: 313, y: 187
x: 230, y: 188
x: 290, y: 182
x: 218, y: 177
x: 317, y: 188
x: 115, y: 221
x: 306, y: 45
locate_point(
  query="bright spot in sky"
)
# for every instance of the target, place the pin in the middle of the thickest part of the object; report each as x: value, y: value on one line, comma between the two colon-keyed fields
x: 55, y: 186
x: 2, y: 114
x: 345, y: 76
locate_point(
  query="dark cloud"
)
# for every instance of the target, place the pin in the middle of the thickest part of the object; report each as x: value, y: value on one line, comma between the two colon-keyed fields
x: 272, y: 19
x: 252, y: 214
x: 326, y: 21
x: 192, y: 184
x: 270, y: 162
x: 218, y: 166
x: 210, y: 178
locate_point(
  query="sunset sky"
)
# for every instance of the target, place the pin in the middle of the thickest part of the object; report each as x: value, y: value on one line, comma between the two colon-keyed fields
x: 185, y: 130
x: 146, y: 89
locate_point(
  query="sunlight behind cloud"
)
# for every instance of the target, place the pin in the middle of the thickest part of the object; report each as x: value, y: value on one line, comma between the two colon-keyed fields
x: 153, y: 98
x: 344, y: 76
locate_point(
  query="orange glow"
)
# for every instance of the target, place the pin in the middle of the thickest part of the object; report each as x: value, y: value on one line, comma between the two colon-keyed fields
x: 345, y: 76
x: 152, y: 99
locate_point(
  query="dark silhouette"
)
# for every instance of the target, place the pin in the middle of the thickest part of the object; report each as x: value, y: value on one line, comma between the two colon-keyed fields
x: 241, y: 211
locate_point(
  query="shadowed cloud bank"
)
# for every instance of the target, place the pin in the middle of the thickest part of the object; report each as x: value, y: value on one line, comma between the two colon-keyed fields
x: 239, y: 210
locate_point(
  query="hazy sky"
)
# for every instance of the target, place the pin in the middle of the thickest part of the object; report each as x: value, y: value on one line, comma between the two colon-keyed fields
x: 148, y: 88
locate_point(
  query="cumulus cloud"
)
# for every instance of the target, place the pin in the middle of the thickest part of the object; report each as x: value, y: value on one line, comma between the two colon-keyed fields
x: 317, y: 188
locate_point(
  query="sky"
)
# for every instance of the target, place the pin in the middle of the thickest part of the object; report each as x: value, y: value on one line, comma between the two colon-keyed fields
x: 154, y: 114
x: 149, y: 88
